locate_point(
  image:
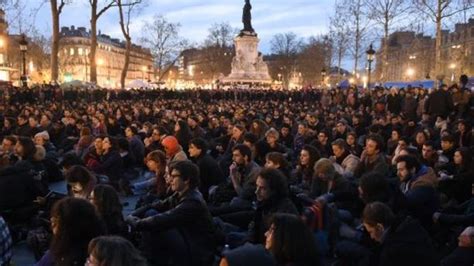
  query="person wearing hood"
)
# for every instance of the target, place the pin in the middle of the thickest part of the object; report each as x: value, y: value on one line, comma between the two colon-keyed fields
x: 174, y: 151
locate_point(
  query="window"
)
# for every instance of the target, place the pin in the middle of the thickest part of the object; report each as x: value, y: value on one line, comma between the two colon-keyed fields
x: 80, y: 51
x: 71, y: 51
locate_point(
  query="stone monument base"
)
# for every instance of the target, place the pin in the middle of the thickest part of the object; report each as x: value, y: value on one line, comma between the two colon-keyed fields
x: 248, y: 65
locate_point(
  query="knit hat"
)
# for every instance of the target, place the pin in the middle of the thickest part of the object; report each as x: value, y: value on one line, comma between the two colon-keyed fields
x: 170, y: 144
x: 44, y: 134
x: 325, y: 166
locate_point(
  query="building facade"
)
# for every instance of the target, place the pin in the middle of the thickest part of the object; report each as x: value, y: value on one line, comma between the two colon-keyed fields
x: 74, y: 61
x: 411, y: 56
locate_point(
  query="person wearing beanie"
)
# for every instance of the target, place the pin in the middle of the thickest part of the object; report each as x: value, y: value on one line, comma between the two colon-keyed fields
x: 174, y: 151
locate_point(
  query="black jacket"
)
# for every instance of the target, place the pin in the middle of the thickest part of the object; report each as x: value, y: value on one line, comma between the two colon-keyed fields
x: 17, y: 188
x: 210, y: 173
x: 190, y: 216
x: 264, y: 212
x: 407, y: 243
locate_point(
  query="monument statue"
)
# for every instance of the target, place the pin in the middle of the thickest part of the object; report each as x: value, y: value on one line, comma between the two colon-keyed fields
x: 247, y: 65
x: 247, y: 19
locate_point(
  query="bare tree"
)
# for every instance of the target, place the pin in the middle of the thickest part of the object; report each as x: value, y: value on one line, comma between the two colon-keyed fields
x: 163, y: 39
x: 437, y: 11
x: 356, y: 14
x: 98, y: 8
x: 339, y: 35
x: 126, y: 9
x: 218, y: 50
x: 56, y: 10
x: 286, y: 48
x: 314, y: 55
x: 386, y: 13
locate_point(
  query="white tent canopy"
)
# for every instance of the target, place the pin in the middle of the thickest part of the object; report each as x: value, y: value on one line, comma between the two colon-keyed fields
x: 138, y: 83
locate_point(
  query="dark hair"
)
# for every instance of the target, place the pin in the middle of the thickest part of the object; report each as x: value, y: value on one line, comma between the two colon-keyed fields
x: 429, y: 143
x: 276, y: 181
x: 340, y: 143
x: 157, y: 156
x: 410, y: 161
x: 81, y: 174
x: 115, y: 251
x: 244, y: 150
x: 375, y: 187
x: 109, y: 207
x: 71, y: 159
x: 292, y: 241
x: 29, y: 148
x: 199, y: 143
x: 134, y: 129
x: 314, y: 154
x: 377, y: 213
x: 123, y: 144
x: 77, y: 223
x: 377, y: 139
x: 11, y: 138
x: 466, y: 155
x: 278, y: 158
x: 250, y: 137
x: 188, y: 171
x: 448, y: 138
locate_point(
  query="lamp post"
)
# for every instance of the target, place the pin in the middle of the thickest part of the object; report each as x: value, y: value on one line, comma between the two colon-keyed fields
x: 23, y: 48
x: 323, y: 76
x: 370, y: 58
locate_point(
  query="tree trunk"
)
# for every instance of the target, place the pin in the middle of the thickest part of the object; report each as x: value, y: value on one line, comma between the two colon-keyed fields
x: 385, y: 48
x: 55, y: 41
x: 438, y: 41
x: 123, y: 75
x: 93, y: 47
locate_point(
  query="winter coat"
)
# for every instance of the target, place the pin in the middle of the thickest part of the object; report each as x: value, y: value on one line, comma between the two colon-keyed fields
x: 407, y: 243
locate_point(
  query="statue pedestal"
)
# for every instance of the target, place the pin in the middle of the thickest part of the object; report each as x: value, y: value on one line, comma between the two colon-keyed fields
x: 248, y: 65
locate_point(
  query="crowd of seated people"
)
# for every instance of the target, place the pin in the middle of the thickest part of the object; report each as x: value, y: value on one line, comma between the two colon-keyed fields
x: 239, y: 177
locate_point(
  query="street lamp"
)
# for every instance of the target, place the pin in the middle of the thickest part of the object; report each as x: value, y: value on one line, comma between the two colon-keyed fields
x: 279, y: 77
x: 323, y: 75
x: 23, y: 48
x: 452, y: 66
x: 370, y: 58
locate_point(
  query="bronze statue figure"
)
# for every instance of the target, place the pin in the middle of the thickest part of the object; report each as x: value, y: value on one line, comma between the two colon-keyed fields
x: 247, y: 17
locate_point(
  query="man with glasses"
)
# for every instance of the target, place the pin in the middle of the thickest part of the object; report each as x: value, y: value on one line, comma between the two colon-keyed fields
x: 183, y: 222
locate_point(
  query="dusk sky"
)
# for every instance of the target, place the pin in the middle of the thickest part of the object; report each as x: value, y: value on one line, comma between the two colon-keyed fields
x: 303, y: 17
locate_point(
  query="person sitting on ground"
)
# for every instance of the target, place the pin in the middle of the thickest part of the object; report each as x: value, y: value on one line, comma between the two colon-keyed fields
x: 209, y: 172
x: 402, y: 240
x: 74, y: 222
x: 156, y: 186
x: 174, y: 151
x: 113, y: 251
x: 183, y: 223
x: 418, y: 184
x: 372, y: 159
x: 243, y: 174
x: 269, y: 144
x: 278, y: 161
x: 80, y: 181
x: 290, y: 241
x: 345, y: 162
x: 107, y: 203
x: 110, y: 162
